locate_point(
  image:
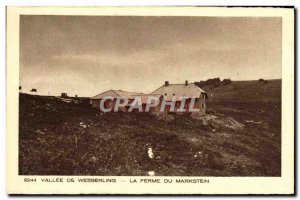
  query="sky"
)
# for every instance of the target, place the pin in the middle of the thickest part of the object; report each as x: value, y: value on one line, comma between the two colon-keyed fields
x: 87, y: 55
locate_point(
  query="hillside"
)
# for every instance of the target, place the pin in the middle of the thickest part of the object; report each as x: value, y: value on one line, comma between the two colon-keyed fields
x: 233, y: 139
x: 246, y: 92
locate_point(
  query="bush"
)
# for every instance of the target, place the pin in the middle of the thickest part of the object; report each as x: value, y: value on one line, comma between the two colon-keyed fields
x: 214, y: 82
x: 226, y: 81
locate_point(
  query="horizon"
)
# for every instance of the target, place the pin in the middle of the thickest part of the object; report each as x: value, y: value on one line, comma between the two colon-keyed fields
x: 85, y: 55
x: 100, y: 92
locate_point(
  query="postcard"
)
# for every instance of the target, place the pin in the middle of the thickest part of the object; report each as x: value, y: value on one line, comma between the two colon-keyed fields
x: 150, y: 100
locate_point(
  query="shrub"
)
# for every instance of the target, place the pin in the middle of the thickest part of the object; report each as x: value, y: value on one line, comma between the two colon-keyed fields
x: 226, y: 81
x: 209, y: 82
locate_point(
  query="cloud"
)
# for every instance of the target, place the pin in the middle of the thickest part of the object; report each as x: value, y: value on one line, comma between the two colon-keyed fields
x: 92, y: 54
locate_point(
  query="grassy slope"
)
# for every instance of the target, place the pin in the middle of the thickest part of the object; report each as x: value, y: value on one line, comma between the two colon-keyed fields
x: 52, y: 142
x: 246, y: 91
x: 253, y: 101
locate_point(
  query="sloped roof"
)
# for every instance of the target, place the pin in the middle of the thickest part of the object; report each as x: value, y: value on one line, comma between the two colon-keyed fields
x: 179, y: 90
x: 125, y: 94
x: 144, y: 97
x: 115, y: 94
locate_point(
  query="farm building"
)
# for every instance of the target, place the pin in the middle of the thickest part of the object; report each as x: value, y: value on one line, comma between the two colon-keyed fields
x: 110, y: 103
x: 130, y: 96
x: 177, y: 98
x: 144, y: 102
x: 186, y: 90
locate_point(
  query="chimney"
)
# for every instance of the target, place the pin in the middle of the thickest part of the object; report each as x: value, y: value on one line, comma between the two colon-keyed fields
x: 166, y: 83
x: 186, y: 82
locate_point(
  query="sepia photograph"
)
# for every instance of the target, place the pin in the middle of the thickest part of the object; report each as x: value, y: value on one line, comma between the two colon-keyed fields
x: 150, y: 96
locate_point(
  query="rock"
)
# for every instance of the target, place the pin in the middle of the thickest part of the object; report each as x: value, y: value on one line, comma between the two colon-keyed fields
x: 150, y: 153
x: 151, y: 173
x: 217, y: 122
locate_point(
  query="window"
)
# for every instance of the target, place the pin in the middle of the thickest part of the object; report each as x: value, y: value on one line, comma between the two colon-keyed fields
x: 203, y: 105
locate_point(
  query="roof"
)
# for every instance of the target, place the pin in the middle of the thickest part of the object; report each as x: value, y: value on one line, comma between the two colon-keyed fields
x: 144, y: 97
x: 116, y: 93
x: 179, y: 90
x: 125, y: 94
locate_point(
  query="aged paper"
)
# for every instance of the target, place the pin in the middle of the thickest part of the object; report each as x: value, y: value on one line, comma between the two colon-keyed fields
x: 150, y: 100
